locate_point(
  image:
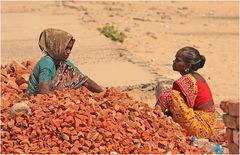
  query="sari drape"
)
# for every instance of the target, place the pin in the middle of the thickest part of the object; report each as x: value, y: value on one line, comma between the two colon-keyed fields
x: 180, y: 103
x: 68, y: 77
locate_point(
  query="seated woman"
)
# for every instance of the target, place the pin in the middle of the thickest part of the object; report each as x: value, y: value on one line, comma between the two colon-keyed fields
x: 190, y: 99
x: 53, y: 71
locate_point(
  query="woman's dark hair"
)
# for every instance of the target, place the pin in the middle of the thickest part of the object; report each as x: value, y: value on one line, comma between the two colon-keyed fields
x: 193, y: 57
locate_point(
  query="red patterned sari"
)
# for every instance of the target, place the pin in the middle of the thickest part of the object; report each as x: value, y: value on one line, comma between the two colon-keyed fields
x: 68, y: 76
x: 180, y: 103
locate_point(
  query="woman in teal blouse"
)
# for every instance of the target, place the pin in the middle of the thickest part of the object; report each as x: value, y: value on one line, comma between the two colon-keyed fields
x: 53, y: 71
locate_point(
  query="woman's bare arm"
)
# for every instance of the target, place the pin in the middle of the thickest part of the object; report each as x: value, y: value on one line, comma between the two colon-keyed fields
x: 159, y: 105
x: 44, y: 87
x: 93, y: 86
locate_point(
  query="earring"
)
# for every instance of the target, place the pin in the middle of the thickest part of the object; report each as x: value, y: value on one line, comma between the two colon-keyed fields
x: 186, y: 70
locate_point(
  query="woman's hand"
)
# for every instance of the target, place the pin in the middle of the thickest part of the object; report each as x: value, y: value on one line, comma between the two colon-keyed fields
x: 164, y: 110
x: 44, y: 87
x: 93, y: 86
x: 161, y: 107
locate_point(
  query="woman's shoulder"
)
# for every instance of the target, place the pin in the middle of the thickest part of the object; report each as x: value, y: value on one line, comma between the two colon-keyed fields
x: 198, y: 77
x: 71, y: 64
x: 191, y: 77
x: 46, y: 61
x: 187, y: 77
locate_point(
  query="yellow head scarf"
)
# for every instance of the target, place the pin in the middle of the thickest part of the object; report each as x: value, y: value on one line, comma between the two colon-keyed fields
x: 54, y: 42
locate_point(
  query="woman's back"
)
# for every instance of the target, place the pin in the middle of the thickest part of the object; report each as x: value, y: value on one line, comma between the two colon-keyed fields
x: 44, y: 71
x: 204, y: 99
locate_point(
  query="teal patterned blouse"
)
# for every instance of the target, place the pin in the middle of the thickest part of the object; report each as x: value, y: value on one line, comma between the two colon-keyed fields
x: 67, y: 76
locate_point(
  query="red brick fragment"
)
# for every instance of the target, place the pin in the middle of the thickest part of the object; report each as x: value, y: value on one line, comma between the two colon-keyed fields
x: 65, y: 137
x: 11, y: 123
x: 18, y: 151
x: 162, y: 144
x: 20, y: 79
x: 236, y: 137
x: 12, y: 84
x: 74, y: 150
x: 16, y: 129
x: 234, y: 108
x: 69, y: 119
x: 233, y: 148
x: 54, y: 150
x: 146, y: 135
x: 31, y: 64
x: 57, y: 122
x: 23, y: 86
x: 77, y: 144
x: 88, y: 143
x: 74, y: 138
x: 220, y: 125
x: 17, y: 67
x: 230, y: 121
x: 224, y: 106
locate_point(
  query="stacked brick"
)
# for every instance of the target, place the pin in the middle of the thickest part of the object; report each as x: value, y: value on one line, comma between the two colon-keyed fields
x: 78, y: 121
x: 231, y: 121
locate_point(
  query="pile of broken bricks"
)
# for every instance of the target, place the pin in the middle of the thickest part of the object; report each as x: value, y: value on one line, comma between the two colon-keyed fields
x: 78, y: 121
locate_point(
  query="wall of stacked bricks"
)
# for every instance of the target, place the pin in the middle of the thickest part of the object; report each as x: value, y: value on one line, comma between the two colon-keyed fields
x: 231, y: 121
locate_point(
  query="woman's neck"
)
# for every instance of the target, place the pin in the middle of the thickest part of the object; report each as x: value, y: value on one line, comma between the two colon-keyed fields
x: 192, y: 72
x: 56, y: 62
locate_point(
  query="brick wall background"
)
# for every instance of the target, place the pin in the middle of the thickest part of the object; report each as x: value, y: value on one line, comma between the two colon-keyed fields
x: 231, y: 121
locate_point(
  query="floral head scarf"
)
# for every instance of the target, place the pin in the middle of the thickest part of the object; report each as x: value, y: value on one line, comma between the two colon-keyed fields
x: 54, y: 42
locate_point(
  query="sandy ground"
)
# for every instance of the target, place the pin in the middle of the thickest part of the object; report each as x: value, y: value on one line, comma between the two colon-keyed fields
x: 155, y: 31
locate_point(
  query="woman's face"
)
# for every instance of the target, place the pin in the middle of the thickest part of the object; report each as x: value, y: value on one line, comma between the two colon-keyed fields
x: 179, y: 64
x: 68, y: 49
